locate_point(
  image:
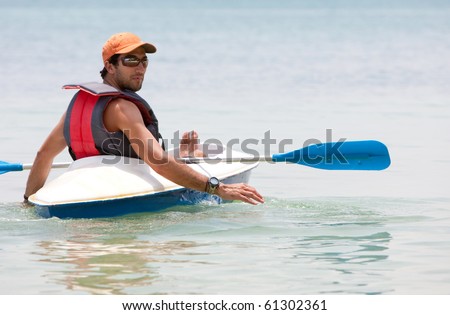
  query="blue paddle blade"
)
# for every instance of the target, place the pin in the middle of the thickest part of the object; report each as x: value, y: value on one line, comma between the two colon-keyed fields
x: 367, y: 155
x: 8, y: 167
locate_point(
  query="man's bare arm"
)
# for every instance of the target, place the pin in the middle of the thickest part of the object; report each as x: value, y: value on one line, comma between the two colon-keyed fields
x: 120, y: 115
x: 43, y: 161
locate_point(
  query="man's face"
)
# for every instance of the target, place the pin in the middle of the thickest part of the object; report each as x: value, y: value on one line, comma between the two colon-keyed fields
x: 131, y: 77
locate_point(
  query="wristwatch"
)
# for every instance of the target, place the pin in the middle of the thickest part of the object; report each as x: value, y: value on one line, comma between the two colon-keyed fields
x: 212, y: 185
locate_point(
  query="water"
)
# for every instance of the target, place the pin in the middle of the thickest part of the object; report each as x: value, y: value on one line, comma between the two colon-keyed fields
x: 235, y: 70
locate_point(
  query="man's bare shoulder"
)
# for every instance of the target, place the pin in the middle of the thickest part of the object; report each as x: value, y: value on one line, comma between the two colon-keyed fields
x: 119, y: 113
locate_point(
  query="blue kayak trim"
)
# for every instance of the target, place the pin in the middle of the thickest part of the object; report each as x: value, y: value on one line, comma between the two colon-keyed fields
x: 123, y: 206
x: 136, y: 204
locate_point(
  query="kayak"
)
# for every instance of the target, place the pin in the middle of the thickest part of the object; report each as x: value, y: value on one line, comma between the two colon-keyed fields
x: 109, y: 186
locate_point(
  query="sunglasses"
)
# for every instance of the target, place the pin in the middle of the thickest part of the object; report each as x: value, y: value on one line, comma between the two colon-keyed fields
x: 133, y: 61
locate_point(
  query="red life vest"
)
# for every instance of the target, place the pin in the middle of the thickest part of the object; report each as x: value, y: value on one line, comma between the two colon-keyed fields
x: 84, y: 130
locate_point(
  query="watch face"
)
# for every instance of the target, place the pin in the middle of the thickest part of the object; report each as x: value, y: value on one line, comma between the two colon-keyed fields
x: 214, y: 181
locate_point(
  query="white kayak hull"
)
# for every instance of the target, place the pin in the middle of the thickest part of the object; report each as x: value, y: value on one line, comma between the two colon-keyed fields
x: 107, y: 186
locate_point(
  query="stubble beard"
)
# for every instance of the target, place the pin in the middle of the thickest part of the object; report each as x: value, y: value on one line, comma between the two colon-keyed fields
x: 128, y: 83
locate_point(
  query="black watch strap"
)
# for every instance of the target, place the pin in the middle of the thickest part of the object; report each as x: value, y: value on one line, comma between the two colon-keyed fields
x: 212, y: 185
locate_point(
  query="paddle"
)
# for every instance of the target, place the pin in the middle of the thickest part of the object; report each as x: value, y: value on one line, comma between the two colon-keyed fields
x: 368, y: 155
x: 13, y: 167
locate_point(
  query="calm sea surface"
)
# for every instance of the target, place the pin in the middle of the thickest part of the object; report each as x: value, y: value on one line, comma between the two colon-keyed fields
x: 236, y: 70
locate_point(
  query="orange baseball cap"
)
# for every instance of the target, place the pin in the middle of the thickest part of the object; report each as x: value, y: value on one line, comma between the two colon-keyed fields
x: 123, y: 43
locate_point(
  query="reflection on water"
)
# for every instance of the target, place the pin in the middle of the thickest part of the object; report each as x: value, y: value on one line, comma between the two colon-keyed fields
x: 126, y: 265
x: 106, y: 266
x: 340, y: 232
x: 331, y: 247
x: 355, y: 261
x: 342, y: 245
x: 346, y: 249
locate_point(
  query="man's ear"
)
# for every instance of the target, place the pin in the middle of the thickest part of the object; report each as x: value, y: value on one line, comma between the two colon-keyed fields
x: 109, y: 67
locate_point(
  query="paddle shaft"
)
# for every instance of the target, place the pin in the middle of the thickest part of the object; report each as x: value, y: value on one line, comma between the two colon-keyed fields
x: 195, y: 160
x: 352, y: 155
x: 28, y: 166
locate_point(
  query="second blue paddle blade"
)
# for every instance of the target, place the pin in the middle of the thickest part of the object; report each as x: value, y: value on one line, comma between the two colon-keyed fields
x: 8, y: 167
x: 367, y: 155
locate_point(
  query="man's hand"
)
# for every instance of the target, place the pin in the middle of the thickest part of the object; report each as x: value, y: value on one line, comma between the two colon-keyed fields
x: 189, y: 145
x: 241, y: 192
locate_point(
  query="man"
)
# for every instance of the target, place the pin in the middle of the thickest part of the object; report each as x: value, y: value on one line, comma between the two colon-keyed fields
x: 124, y: 113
